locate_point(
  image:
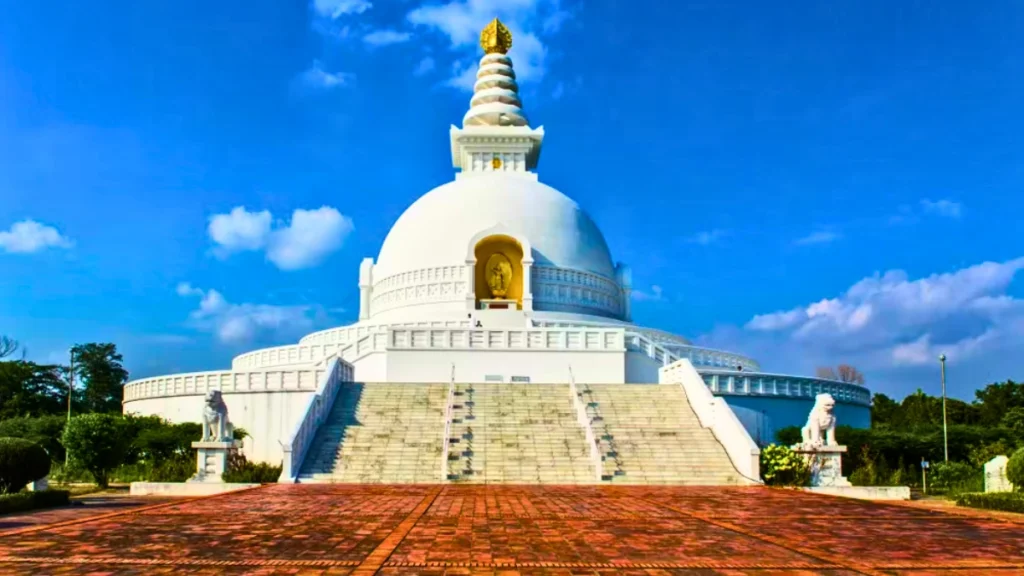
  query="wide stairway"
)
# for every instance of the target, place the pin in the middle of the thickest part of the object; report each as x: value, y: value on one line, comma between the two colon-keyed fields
x: 648, y: 434
x: 517, y: 434
x: 380, y: 433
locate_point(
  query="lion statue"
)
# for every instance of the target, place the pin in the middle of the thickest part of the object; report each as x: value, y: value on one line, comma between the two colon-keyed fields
x: 821, y: 423
x: 216, y: 427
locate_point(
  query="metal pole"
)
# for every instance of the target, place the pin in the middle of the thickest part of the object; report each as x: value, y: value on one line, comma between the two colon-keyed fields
x: 945, y: 433
x: 71, y: 387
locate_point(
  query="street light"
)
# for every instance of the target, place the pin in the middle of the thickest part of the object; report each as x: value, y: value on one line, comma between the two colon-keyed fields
x: 945, y: 434
x: 71, y: 388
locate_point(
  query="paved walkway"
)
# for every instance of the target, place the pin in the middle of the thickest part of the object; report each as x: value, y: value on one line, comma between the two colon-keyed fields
x: 379, y: 529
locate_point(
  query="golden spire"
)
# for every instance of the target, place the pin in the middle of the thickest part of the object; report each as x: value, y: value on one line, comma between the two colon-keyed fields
x: 496, y: 38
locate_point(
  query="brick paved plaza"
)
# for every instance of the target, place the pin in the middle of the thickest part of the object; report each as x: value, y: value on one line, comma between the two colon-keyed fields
x: 367, y: 529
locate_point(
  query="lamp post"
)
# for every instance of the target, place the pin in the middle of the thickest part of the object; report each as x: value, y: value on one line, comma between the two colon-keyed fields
x: 71, y: 388
x: 945, y: 434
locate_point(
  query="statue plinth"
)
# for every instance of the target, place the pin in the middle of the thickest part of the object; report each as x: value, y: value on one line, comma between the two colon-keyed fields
x: 826, y: 463
x: 211, y: 460
x: 497, y: 304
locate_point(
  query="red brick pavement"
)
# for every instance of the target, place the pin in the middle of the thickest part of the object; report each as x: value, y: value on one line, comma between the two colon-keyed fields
x: 506, y: 530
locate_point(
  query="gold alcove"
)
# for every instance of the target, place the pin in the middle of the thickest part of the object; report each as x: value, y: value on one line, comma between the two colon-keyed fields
x: 499, y: 269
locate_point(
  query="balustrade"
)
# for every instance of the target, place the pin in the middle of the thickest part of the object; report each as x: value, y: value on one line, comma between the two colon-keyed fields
x: 317, y: 410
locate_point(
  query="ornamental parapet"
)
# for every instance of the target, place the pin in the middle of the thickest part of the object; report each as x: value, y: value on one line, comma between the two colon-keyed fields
x: 606, y: 340
x: 743, y: 383
x: 227, y: 381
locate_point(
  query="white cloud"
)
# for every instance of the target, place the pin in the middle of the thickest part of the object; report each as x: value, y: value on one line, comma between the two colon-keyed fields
x: 558, y: 92
x: 29, y: 236
x: 946, y: 208
x: 653, y: 295
x: 317, y: 77
x: 889, y: 323
x: 708, y: 237
x: 461, y: 21
x: 243, y: 323
x: 186, y: 289
x: 820, y: 237
x: 337, y: 8
x: 385, y: 37
x: 309, y: 238
x: 425, y: 65
x: 304, y: 242
x: 239, y: 230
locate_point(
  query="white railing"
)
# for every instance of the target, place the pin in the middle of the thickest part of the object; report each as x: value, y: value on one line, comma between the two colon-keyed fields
x: 714, y: 413
x: 227, y: 381
x: 703, y: 357
x: 282, y: 356
x: 448, y: 414
x: 317, y: 410
x: 768, y: 384
x: 597, y: 339
x: 588, y: 430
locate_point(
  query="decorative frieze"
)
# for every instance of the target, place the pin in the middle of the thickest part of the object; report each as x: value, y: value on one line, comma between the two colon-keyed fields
x: 437, y: 284
x: 563, y: 288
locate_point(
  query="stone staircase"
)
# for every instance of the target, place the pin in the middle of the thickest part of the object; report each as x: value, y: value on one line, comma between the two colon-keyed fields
x: 648, y: 434
x: 380, y: 433
x: 517, y: 434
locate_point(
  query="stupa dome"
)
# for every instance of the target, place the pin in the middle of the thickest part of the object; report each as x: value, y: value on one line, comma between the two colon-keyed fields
x: 437, y: 229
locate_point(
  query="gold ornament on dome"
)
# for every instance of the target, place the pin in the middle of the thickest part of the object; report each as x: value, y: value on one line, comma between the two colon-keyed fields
x: 496, y: 38
x: 496, y: 163
x: 498, y: 273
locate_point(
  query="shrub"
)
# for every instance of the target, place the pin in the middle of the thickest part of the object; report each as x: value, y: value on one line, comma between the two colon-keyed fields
x: 982, y: 453
x: 1015, y: 470
x: 789, y: 435
x: 43, y: 430
x: 166, y: 442
x: 23, y: 501
x: 781, y: 466
x: 956, y: 477
x: 98, y: 443
x: 241, y: 471
x: 1005, y: 501
x: 21, y: 462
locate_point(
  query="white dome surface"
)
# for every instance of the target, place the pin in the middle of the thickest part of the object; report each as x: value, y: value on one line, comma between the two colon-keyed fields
x: 437, y: 228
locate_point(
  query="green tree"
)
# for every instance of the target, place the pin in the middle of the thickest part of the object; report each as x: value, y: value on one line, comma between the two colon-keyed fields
x: 99, y: 443
x: 99, y: 368
x: 884, y: 410
x: 995, y: 399
x: 1014, y: 420
x: 29, y: 389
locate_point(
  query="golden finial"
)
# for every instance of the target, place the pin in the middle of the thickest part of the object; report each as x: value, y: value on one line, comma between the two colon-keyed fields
x: 496, y: 38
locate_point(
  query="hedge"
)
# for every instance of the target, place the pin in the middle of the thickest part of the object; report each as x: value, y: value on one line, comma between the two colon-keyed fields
x: 1005, y: 501
x: 912, y: 447
x: 21, y: 461
x: 22, y: 501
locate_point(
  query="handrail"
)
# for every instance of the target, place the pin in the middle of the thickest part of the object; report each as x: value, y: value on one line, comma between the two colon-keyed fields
x: 317, y: 409
x: 588, y: 430
x: 448, y: 412
x: 715, y: 414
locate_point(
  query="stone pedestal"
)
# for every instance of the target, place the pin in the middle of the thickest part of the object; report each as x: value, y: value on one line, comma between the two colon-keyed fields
x: 498, y: 304
x: 211, y: 460
x: 826, y: 464
x: 995, y: 475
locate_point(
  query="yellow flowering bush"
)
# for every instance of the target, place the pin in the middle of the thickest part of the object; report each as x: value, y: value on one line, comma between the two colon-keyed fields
x: 781, y: 466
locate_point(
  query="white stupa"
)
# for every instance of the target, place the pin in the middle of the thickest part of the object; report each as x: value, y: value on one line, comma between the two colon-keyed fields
x: 492, y: 277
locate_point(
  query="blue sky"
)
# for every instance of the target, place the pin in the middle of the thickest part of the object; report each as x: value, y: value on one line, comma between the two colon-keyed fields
x: 807, y: 182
